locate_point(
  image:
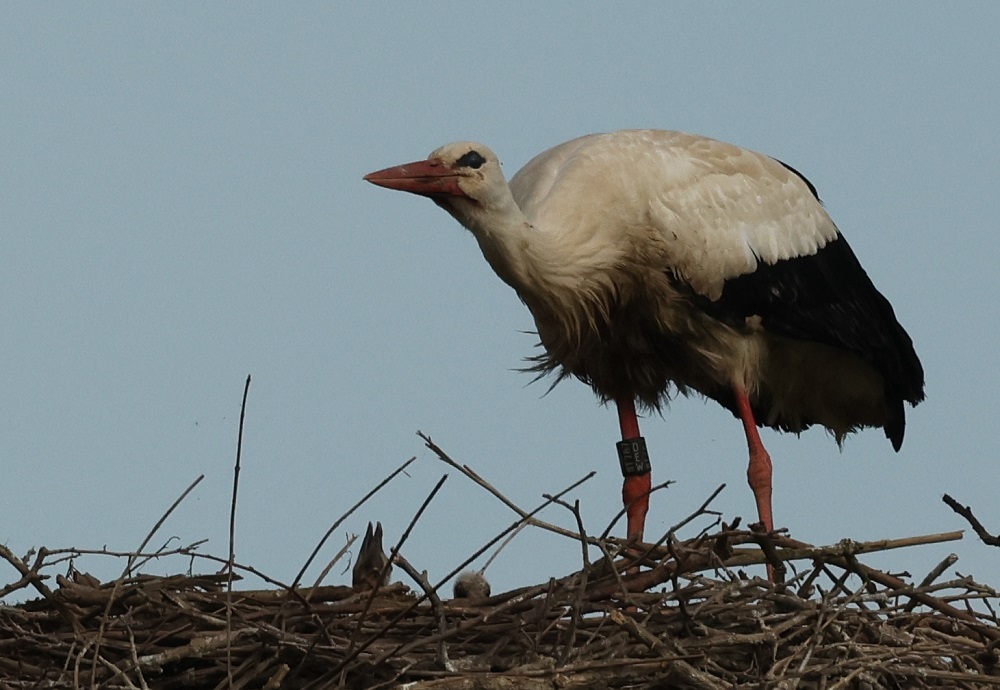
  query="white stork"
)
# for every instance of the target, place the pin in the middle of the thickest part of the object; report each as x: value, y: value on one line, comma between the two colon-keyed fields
x: 655, y: 261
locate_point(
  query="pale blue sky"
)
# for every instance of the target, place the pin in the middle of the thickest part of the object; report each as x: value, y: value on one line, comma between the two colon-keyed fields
x: 181, y: 205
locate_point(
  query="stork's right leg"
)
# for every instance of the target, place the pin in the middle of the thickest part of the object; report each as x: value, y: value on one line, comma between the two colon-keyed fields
x: 635, y: 466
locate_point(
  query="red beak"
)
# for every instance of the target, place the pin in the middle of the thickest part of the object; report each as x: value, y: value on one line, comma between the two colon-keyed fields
x: 427, y: 178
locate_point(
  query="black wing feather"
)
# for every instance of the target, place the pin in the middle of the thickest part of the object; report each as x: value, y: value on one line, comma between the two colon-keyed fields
x: 827, y: 297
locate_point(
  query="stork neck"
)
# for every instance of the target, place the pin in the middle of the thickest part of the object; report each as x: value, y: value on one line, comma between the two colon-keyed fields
x: 538, y: 262
x: 506, y: 238
x: 507, y: 249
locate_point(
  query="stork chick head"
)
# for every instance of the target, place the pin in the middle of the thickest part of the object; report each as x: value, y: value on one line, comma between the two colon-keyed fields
x: 463, y: 178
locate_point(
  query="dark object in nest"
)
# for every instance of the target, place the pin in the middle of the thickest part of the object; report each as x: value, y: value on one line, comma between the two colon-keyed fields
x: 371, y: 568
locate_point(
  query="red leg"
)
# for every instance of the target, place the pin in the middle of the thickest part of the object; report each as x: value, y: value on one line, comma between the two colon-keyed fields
x: 759, y: 471
x: 635, y: 490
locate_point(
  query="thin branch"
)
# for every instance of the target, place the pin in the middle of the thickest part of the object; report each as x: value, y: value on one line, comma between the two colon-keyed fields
x: 935, y: 572
x: 471, y: 474
x: 437, y: 608
x: 329, y: 566
x: 581, y: 586
x: 159, y: 523
x: 502, y: 546
x: 232, y: 533
x: 966, y: 512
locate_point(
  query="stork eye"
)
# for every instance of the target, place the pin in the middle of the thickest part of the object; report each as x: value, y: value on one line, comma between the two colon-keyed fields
x: 473, y: 159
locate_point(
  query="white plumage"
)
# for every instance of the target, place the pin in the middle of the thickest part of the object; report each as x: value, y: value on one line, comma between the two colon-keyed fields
x: 714, y: 210
x: 654, y: 260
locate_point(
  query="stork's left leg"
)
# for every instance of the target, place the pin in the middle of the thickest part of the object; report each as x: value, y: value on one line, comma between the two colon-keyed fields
x: 759, y: 471
x: 635, y: 466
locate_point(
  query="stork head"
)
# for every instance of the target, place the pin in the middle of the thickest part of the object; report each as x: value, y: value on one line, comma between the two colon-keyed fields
x: 463, y: 178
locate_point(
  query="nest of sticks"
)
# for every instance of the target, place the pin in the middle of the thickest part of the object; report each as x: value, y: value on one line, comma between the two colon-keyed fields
x: 679, y: 613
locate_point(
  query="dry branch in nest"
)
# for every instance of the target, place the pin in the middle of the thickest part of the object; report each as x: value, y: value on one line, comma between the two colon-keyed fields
x: 687, y: 618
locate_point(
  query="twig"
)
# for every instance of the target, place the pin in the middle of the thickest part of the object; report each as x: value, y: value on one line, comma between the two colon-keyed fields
x: 701, y: 510
x: 581, y: 585
x: 946, y: 562
x: 502, y: 546
x: 247, y: 569
x: 329, y: 566
x: 135, y: 659
x: 437, y: 608
x: 274, y: 682
x: 198, y: 648
x: 791, y: 550
x: 471, y: 474
x: 232, y: 534
x: 966, y: 512
x: 935, y: 572
x: 159, y: 523
x: 73, y: 553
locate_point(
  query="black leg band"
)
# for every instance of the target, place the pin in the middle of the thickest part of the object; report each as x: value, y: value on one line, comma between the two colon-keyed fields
x: 633, y: 457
